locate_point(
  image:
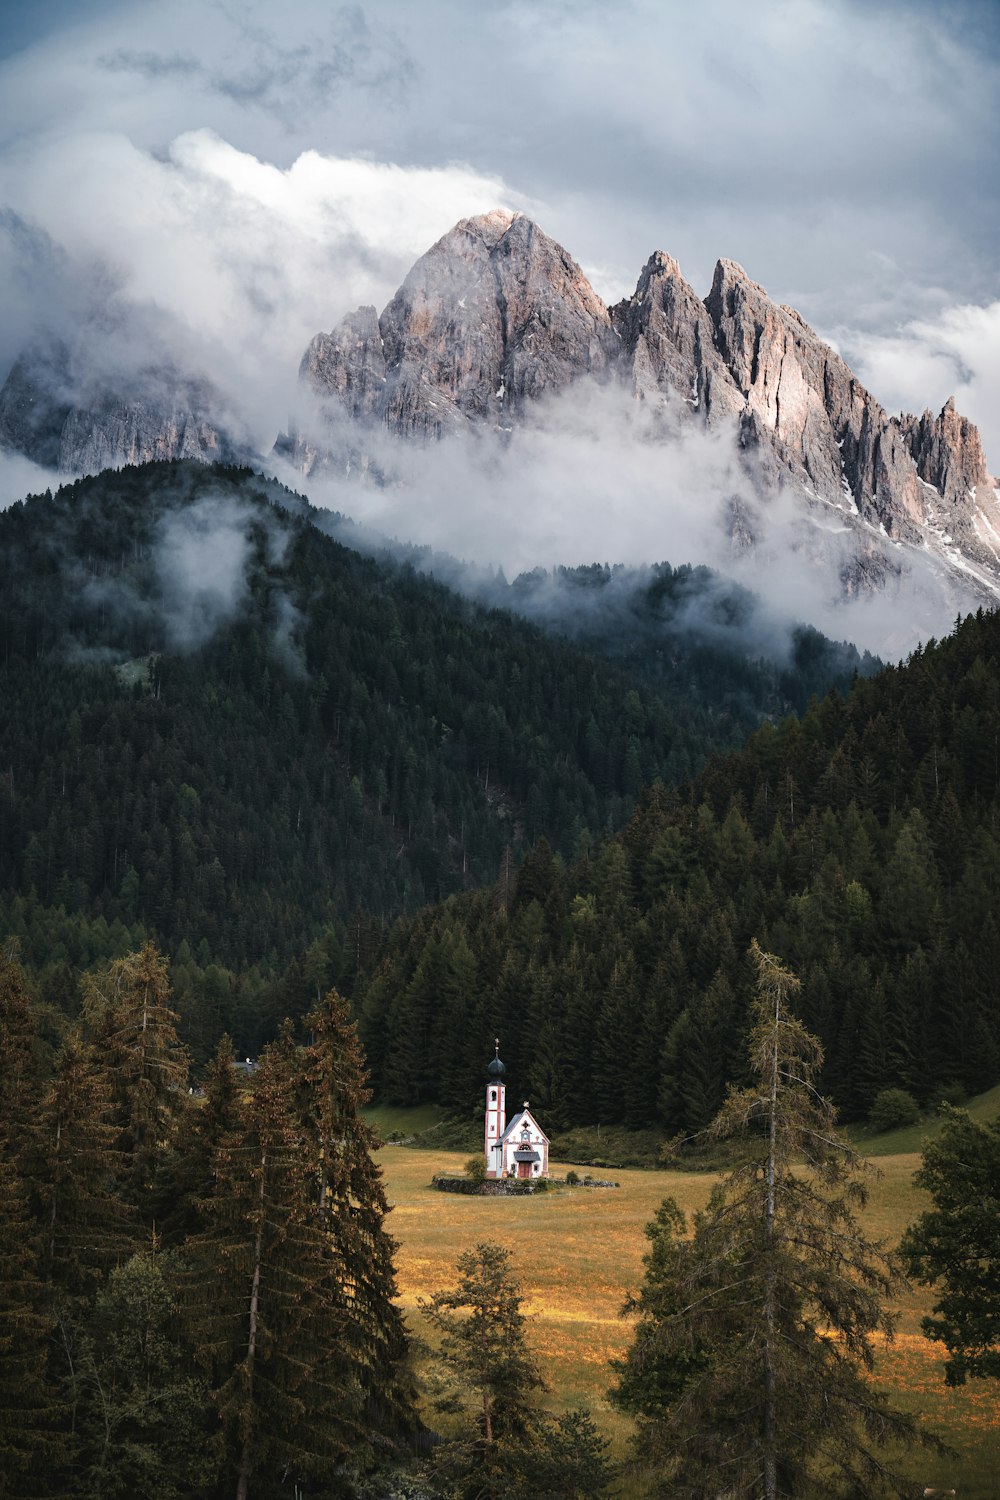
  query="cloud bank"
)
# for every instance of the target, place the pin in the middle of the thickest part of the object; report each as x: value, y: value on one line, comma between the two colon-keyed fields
x: 588, y: 478
x: 209, y: 186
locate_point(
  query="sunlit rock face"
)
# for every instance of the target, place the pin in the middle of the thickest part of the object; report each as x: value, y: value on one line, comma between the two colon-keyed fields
x: 492, y: 316
x: 960, y: 497
x: 496, y: 314
x: 804, y: 405
x: 668, y: 345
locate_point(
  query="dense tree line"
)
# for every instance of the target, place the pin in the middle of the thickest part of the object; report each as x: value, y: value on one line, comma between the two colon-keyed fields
x: 225, y: 730
x: 197, y: 1290
x: 862, y: 843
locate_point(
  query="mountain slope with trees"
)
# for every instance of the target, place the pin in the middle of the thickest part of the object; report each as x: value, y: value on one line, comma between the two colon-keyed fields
x: 227, y: 730
x: 861, y: 843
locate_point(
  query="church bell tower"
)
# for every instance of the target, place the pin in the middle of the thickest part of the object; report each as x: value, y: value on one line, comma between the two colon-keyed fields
x: 496, y: 1114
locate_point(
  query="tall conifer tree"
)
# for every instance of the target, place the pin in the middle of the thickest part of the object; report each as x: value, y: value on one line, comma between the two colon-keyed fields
x: 186, y: 1181
x: 21, y: 1071
x: 127, y: 1007
x: 29, y: 1413
x: 266, y: 1314
x: 749, y: 1370
x: 351, y: 1208
x: 74, y: 1168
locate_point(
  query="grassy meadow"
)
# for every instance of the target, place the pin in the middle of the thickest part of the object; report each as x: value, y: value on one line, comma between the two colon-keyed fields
x: 577, y: 1251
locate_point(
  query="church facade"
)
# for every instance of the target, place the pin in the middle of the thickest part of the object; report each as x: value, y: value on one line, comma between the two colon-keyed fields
x: 517, y: 1147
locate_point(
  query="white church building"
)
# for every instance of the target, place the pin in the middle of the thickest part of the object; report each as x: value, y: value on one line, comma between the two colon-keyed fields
x: 517, y: 1147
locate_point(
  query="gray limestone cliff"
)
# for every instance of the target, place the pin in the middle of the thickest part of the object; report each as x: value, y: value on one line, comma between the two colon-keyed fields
x: 494, y: 314
x: 668, y: 344
x: 814, y: 422
x: 805, y: 410
x: 80, y: 426
x: 497, y: 314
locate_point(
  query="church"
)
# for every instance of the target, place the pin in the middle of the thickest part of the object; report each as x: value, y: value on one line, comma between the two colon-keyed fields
x: 517, y: 1147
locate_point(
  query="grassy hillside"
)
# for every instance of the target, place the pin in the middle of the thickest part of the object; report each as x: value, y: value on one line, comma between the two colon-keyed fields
x: 984, y: 1108
x: 579, y: 1250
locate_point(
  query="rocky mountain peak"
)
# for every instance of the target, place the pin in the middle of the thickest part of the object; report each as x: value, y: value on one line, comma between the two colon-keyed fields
x: 948, y: 454
x: 668, y: 343
x: 490, y: 227
x: 496, y: 313
x: 491, y: 316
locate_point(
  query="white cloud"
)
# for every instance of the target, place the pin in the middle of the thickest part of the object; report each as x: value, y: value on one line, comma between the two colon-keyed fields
x: 796, y: 136
x: 588, y: 479
x: 20, y: 477
x: 237, y: 262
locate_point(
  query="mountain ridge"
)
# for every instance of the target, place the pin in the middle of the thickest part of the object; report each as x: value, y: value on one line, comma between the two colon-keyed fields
x: 496, y: 317
x: 448, y: 355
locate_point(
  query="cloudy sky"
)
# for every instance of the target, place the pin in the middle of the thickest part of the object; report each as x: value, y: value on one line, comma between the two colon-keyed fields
x: 239, y: 173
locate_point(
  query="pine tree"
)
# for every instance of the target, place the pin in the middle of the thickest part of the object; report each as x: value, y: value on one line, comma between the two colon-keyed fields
x: 351, y: 1208
x: 29, y: 1413
x: 264, y: 1305
x: 127, y: 1008
x: 955, y: 1246
x: 21, y: 1073
x: 74, y: 1168
x: 749, y: 1367
x: 510, y: 1446
x: 186, y: 1179
x: 145, y: 1420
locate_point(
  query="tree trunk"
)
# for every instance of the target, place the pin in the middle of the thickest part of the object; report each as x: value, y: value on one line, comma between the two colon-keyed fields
x: 770, y: 1320
x: 243, y: 1474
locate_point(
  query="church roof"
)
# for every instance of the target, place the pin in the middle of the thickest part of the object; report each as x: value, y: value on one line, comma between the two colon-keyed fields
x: 518, y: 1120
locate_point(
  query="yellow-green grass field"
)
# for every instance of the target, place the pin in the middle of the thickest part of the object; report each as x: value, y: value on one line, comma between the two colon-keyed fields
x: 579, y: 1250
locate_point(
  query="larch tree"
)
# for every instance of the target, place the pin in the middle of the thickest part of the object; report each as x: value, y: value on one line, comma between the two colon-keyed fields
x: 22, y: 1073
x: 484, y: 1347
x: 750, y: 1368
x: 145, y: 1423
x: 73, y: 1168
x: 186, y: 1180
x: 72, y: 1173
x: 30, y: 1443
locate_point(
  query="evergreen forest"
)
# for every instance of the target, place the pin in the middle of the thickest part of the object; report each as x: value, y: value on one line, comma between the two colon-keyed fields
x: 227, y: 731
x: 264, y: 796
x: 197, y: 1288
x: 860, y: 841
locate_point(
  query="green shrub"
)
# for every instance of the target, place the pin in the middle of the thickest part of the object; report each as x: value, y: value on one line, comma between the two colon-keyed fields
x: 572, y: 1178
x: 475, y: 1169
x: 892, y: 1108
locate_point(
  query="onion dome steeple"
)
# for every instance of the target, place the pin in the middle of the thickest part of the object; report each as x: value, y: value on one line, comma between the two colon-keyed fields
x: 496, y: 1072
